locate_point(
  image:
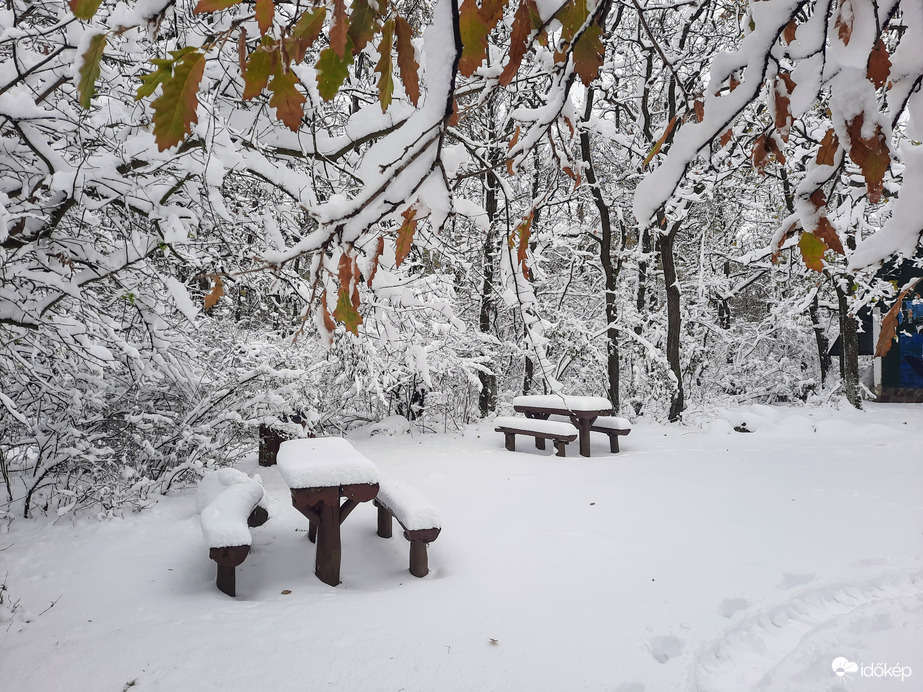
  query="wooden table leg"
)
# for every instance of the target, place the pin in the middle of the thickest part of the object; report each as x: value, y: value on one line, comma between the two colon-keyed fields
x: 583, y: 425
x: 329, y: 550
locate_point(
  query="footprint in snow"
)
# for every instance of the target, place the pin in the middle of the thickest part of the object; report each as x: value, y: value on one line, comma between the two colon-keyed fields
x: 665, y: 648
x: 729, y: 606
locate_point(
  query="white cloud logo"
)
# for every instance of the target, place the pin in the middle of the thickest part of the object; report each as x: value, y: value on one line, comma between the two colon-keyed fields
x: 841, y: 666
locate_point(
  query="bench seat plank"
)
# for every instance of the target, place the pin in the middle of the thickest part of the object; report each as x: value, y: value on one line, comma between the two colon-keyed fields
x: 418, y: 518
x: 528, y: 426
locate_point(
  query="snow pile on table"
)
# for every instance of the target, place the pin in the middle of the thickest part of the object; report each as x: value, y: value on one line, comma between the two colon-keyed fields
x: 548, y: 427
x: 612, y: 423
x: 324, y: 462
x: 571, y: 403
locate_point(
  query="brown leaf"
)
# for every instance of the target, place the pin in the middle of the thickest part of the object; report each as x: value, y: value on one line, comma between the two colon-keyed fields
x: 524, y: 231
x: 699, y: 107
x: 347, y: 307
x: 175, y: 108
x: 339, y: 29
x: 726, y: 137
x: 287, y: 99
x: 789, y: 32
x: 844, y: 21
x: 827, y: 233
x: 784, y: 86
x: 588, y: 54
x: 215, y: 294
x: 819, y: 199
x: 405, y: 235
x: 773, y: 148
x: 829, y: 146
x: 888, y: 332
x: 734, y: 82
x: 659, y: 143
x: 384, y: 68
x: 519, y: 35
x: 242, y: 49
x: 871, y: 155
x: 760, y: 156
x: 879, y: 68
x: 379, y: 249
x: 406, y: 59
x: 329, y: 324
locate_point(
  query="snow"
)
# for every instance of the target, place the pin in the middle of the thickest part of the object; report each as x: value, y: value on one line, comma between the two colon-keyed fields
x: 692, y: 561
x: 612, y: 423
x: 413, y: 510
x: 324, y: 462
x: 224, y: 519
x: 571, y: 403
x: 536, y: 425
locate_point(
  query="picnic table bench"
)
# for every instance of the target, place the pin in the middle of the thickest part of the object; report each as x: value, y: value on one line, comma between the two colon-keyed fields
x: 320, y: 471
x: 541, y: 430
x: 416, y: 516
x: 582, y: 411
x: 229, y: 504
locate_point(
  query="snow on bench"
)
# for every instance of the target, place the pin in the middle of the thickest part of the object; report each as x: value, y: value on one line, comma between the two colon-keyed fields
x: 228, y: 502
x: 541, y: 430
x: 613, y: 426
x: 416, y: 516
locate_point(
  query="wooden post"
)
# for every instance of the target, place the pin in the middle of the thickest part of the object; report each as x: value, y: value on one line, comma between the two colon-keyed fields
x: 559, y: 445
x: 226, y: 580
x: 312, y: 532
x: 384, y: 521
x: 540, y: 443
x: 419, y: 566
x: 510, y: 442
x: 329, y: 549
x: 613, y: 443
x: 583, y: 425
x: 269, y: 445
x: 228, y: 559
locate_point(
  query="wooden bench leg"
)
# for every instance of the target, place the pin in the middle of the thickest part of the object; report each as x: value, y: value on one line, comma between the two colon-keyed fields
x: 329, y: 550
x: 384, y: 522
x: 614, y: 443
x: 419, y: 567
x: 226, y: 581
x: 510, y: 442
x: 559, y: 445
x: 312, y: 532
x: 540, y: 443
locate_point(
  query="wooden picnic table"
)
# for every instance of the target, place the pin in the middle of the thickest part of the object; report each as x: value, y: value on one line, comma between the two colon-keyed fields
x: 320, y: 471
x: 581, y: 410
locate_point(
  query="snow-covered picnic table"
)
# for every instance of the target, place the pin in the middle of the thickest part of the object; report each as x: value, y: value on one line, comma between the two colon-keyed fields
x: 581, y: 410
x: 319, y: 471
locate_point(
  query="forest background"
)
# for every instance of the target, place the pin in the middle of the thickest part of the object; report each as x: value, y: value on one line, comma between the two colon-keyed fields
x: 216, y: 215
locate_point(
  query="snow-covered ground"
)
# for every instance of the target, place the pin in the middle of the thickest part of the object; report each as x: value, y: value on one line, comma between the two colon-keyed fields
x: 698, y: 559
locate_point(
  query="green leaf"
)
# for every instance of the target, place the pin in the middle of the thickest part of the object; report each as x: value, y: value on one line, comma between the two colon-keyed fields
x: 361, y: 25
x: 260, y: 65
x: 286, y: 99
x: 332, y: 70
x: 214, y: 5
x: 474, y: 31
x: 346, y: 312
x: 175, y: 108
x: 89, y: 70
x: 385, y: 66
x: 588, y: 54
x: 84, y: 9
x: 306, y: 31
x: 812, y: 251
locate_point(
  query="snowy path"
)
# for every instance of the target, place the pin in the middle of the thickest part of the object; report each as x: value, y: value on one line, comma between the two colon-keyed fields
x: 700, y: 561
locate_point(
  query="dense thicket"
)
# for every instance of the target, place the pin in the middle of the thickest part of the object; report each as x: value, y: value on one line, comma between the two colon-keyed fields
x: 222, y: 214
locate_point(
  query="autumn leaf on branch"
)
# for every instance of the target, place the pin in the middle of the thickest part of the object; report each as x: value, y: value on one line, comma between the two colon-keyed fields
x: 260, y: 65
x: 659, y: 143
x: 214, y: 5
x: 812, y: 251
x: 829, y: 145
x: 265, y: 12
x: 871, y: 154
x: 879, y: 67
x: 588, y: 54
x: 524, y: 233
x: 405, y: 235
x: 84, y: 9
x: 519, y: 35
x: 89, y: 70
x: 888, y: 332
x: 347, y: 307
x: 286, y: 99
x: 215, y: 294
x: 339, y: 29
x: 379, y: 250
x: 474, y: 33
x: 385, y: 66
x: 827, y: 233
x: 305, y: 33
x: 406, y: 60
x: 361, y: 25
x: 844, y: 21
x: 175, y: 108
x: 332, y: 70
x: 789, y: 32
x: 784, y: 86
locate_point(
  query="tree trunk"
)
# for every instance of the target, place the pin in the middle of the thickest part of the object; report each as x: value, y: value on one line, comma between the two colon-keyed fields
x: 610, y: 272
x: 674, y: 319
x: 823, y: 344
x: 487, y: 398
x: 849, y: 353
